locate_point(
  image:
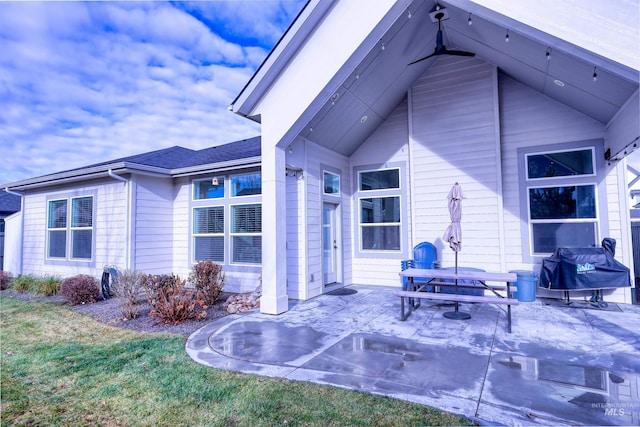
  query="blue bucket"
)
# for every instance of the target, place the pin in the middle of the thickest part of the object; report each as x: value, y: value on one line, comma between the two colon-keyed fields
x: 526, y: 285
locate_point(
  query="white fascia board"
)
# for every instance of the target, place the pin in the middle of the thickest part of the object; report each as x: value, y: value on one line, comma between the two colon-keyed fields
x: 295, y: 36
x: 317, y: 63
x: 610, y: 30
x: 248, y: 162
x: 84, y: 174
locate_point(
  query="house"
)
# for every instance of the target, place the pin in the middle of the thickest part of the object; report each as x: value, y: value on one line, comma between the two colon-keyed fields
x: 363, y: 133
x: 155, y: 212
x: 368, y: 119
x: 9, y: 205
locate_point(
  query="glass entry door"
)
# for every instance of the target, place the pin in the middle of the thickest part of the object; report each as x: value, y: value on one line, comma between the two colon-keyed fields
x: 330, y: 247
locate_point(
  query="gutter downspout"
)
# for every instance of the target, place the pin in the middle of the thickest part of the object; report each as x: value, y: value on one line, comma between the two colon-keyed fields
x: 21, y: 195
x: 128, y: 218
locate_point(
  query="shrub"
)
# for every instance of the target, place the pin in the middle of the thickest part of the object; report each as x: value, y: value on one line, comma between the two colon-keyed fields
x: 153, y: 284
x: 5, y: 280
x: 208, y: 278
x: 80, y: 289
x: 169, y: 300
x: 24, y: 284
x: 47, y: 286
x: 127, y: 286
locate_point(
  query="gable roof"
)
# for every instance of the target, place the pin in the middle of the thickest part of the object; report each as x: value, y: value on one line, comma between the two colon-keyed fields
x: 168, y: 162
x: 9, y: 203
x: 373, y: 80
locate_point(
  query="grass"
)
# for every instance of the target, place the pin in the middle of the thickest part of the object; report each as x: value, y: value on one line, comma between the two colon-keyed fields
x: 45, y: 286
x: 62, y: 368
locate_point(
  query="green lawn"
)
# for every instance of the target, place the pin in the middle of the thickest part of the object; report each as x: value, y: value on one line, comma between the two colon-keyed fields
x: 63, y: 368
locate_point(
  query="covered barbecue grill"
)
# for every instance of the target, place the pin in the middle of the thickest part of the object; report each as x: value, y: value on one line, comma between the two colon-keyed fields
x: 584, y: 269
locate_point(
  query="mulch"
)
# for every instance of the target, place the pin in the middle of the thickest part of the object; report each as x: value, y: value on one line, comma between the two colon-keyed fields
x: 109, y: 312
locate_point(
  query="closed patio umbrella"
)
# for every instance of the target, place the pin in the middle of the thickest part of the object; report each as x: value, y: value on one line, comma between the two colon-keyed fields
x: 453, y: 235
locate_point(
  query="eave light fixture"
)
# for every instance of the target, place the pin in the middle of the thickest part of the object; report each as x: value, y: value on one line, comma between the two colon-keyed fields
x: 469, y: 21
x: 506, y: 37
x: 548, y: 54
x: 595, y: 74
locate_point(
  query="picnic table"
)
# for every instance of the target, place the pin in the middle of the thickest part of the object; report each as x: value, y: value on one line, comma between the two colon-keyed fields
x: 437, y: 278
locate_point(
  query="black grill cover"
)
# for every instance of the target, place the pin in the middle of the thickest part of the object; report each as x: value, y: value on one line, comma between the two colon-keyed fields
x: 583, y: 268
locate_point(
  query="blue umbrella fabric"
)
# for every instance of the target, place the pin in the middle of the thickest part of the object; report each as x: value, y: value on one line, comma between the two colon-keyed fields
x: 453, y: 234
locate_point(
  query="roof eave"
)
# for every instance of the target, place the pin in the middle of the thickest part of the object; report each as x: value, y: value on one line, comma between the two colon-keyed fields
x: 285, y: 49
x: 84, y: 174
x: 243, y: 163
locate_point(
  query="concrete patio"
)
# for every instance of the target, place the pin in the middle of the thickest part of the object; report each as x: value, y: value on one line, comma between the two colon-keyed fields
x: 560, y: 366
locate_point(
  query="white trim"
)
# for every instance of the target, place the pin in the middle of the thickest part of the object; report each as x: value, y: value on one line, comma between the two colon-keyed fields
x: 411, y: 184
x: 499, y: 190
x: 625, y: 230
x: 551, y: 178
x: 245, y: 234
x: 595, y: 220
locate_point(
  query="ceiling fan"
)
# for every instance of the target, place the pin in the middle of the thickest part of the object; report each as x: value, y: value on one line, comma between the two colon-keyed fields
x: 441, y: 49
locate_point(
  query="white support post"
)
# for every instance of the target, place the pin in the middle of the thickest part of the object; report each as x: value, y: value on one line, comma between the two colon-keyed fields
x: 274, y: 299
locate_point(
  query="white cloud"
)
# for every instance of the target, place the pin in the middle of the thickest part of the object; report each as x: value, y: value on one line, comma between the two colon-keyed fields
x: 82, y: 83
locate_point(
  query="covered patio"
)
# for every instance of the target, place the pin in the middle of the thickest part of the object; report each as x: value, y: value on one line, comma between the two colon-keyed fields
x: 367, y: 120
x: 580, y: 369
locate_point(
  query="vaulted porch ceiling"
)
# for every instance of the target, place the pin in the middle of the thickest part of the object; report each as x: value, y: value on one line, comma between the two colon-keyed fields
x: 379, y: 82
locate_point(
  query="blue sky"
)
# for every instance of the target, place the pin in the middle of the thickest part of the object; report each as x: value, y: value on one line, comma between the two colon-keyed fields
x: 85, y: 82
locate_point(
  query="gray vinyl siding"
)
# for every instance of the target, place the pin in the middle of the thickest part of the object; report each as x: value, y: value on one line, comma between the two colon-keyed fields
x: 296, y: 236
x: 181, y: 230
x: 154, y: 225
x: 387, y: 145
x: 316, y: 157
x: 109, y: 229
x: 455, y: 139
x: 530, y: 119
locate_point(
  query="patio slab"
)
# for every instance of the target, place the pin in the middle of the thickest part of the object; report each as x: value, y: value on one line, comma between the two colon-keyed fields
x: 561, y: 365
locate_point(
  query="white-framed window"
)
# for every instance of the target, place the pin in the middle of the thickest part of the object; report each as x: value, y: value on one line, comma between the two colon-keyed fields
x: 246, y: 233
x: 379, y: 204
x: 208, y: 234
x: 230, y: 231
x: 561, y: 198
x: 331, y: 183
x: 246, y: 185
x: 70, y: 231
x: 210, y: 188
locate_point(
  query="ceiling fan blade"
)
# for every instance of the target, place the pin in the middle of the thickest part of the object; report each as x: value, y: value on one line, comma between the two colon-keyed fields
x: 441, y: 49
x: 422, y: 59
x: 458, y: 53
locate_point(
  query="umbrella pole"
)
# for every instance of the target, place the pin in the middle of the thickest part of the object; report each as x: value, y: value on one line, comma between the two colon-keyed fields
x: 456, y: 314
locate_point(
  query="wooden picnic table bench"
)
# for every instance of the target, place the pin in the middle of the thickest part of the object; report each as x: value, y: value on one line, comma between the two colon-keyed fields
x: 441, y: 277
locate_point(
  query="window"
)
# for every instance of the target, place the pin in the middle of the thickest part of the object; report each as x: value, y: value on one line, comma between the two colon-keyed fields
x: 70, y: 237
x: 331, y: 184
x: 246, y: 185
x: 208, y: 233
x: 223, y: 230
x: 212, y: 188
x: 246, y: 233
x: 564, y: 163
x: 379, y: 207
x: 561, y: 199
